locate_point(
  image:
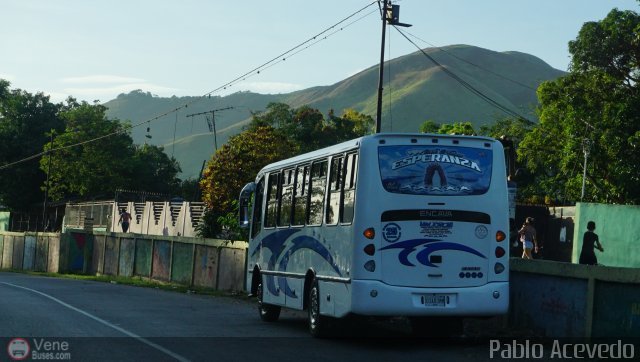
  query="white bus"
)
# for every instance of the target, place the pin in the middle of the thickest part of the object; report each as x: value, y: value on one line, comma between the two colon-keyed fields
x: 384, y: 225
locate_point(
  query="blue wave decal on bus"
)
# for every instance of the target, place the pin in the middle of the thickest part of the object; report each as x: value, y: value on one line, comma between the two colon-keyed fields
x: 430, y: 246
x: 276, y: 244
x: 302, y: 243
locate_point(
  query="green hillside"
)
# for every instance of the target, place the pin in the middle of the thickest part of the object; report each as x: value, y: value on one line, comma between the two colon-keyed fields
x: 416, y: 90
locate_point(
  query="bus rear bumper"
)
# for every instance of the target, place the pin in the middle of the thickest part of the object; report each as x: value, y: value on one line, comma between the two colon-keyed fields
x: 373, y: 298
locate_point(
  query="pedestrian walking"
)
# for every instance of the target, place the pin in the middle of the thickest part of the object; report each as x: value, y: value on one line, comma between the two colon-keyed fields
x: 590, y: 241
x: 125, y: 219
x: 528, y: 238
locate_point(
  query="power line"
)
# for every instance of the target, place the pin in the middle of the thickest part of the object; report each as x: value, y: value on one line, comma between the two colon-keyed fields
x: 255, y: 71
x: 283, y: 56
x: 464, y: 83
x: 472, y: 64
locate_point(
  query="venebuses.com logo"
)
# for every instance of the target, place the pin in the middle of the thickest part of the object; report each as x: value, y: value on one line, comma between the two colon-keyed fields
x: 19, y: 349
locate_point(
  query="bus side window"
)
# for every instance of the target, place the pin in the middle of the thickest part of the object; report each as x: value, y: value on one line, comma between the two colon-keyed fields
x: 286, y: 198
x: 258, y: 195
x: 271, y: 211
x: 301, y: 195
x: 349, y: 194
x: 317, y: 191
x: 335, y: 186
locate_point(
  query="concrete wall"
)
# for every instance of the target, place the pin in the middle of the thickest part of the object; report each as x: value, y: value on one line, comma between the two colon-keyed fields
x: 30, y: 251
x: 569, y: 300
x: 618, y: 229
x: 190, y: 261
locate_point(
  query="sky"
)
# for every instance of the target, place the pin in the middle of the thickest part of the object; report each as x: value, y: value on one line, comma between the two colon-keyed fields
x: 98, y: 49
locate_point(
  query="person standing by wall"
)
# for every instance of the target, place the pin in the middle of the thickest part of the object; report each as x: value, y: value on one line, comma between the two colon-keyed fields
x: 125, y: 219
x: 590, y: 241
x: 528, y: 238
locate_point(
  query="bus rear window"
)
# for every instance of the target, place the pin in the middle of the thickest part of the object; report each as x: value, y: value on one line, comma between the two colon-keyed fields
x: 435, y: 170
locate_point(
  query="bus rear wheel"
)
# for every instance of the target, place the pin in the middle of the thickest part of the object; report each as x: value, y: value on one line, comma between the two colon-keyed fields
x: 268, y: 312
x: 318, y: 324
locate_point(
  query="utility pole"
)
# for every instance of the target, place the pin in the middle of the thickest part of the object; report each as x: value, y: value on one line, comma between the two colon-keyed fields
x: 586, y: 145
x: 46, y: 188
x: 212, y: 123
x: 390, y: 14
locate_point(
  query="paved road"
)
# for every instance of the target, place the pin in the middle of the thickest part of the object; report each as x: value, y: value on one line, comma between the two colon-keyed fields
x: 112, y: 322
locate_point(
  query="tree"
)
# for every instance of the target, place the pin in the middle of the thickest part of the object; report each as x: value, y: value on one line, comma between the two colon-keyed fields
x: 25, y: 120
x: 236, y: 163
x: 95, y: 156
x: 513, y: 130
x: 461, y: 128
x: 155, y: 171
x: 296, y: 131
x: 307, y: 127
x: 361, y: 124
x: 429, y: 127
x: 92, y: 169
x: 594, y: 109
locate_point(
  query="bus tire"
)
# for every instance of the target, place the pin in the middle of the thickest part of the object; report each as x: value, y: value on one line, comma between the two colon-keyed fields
x: 268, y: 312
x: 318, y: 324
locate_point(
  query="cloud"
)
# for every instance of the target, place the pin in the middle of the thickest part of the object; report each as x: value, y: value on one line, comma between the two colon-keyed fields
x: 105, y: 87
x: 120, y: 88
x: 101, y: 78
x: 111, y: 92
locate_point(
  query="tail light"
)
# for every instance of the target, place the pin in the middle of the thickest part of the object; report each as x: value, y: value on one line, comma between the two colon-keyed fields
x: 370, y: 233
x: 370, y: 266
x: 370, y: 249
x: 500, y: 252
x: 500, y: 236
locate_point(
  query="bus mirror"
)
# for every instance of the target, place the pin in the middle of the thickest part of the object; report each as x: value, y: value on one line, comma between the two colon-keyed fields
x: 243, y: 207
x: 243, y: 218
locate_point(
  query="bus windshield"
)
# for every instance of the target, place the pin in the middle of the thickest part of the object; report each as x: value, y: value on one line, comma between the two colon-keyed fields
x: 435, y: 170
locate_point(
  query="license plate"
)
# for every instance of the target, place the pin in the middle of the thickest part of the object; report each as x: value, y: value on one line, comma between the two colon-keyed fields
x: 435, y: 300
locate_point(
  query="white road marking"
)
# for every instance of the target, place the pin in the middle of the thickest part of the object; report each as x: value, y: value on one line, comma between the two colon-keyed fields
x: 100, y: 320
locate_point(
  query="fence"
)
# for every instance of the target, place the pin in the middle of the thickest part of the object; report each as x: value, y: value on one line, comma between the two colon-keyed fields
x: 37, y: 252
x: 98, y: 214
x: 569, y: 300
x: 190, y: 261
x: 618, y: 229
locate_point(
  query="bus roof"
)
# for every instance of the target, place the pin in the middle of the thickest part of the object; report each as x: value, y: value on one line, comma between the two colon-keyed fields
x: 355, y: 143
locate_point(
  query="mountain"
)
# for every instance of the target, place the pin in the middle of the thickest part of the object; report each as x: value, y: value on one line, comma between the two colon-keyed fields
x: 416, y: 90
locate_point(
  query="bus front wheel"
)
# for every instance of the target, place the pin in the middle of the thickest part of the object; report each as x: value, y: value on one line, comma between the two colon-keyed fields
x: 268, y: 312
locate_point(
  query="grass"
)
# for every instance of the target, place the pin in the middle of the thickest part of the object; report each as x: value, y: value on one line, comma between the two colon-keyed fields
x: 136, y: 281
